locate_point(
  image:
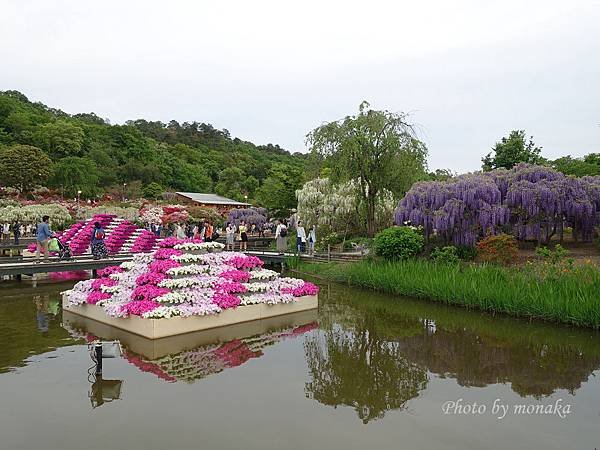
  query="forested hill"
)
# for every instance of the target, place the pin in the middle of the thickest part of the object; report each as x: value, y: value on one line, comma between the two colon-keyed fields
x: 90, y: 154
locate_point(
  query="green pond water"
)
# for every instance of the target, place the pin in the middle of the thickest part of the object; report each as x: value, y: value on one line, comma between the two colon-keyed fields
x: 364, y: 371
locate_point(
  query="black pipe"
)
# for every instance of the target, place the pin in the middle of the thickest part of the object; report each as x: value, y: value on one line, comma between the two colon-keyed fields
x: 98, y: 350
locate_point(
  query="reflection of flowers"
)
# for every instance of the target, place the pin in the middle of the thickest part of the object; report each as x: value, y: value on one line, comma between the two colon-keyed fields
x: 191, y: 365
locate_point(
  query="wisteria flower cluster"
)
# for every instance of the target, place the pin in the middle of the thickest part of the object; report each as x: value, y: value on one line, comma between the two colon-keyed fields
x: 170, y: 282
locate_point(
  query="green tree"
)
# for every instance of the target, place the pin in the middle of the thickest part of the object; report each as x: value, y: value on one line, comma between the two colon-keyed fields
x: 589, y: 165
x: 511, y: 151
x: 375, y: 148
x: 231, y: 183
x: 60, y: 138
x: 153, y: 190
x: 278, y: 191
x: 23, y: 167
x: 75, y: 174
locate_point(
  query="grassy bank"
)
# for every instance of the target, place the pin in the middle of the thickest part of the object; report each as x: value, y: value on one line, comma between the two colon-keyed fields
x: 562, y: 296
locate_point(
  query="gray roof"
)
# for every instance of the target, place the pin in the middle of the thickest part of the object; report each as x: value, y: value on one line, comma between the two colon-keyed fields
x: 211, y: 199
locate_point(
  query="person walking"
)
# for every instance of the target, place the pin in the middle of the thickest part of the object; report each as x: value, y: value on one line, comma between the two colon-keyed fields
x: 99, y: 250
x: 243, y: 229
x: 17, y: 231
x: 312, y: 239
x: 43, y: 235
x: 300, y: 237
x: 230, y: 236
x: 281, y: 237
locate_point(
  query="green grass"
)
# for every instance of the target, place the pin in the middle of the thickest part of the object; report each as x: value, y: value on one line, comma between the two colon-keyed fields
x: 572, y: 297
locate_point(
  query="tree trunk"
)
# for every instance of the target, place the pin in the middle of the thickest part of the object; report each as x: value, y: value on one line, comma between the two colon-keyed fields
x: 370, y: 216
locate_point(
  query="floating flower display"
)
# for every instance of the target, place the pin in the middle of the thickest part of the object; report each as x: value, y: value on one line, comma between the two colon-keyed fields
x: 170, y: 282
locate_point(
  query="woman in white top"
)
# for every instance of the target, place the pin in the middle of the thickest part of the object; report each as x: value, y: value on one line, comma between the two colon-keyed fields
x: 230, y: 236
x: 281, y: 237
x: 300, y: 237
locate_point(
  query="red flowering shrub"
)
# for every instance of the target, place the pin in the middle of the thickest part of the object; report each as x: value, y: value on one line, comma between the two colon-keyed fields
x: 498, y: 249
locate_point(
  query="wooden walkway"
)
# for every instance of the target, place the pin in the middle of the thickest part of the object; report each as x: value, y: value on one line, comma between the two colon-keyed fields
x: 19, y: 266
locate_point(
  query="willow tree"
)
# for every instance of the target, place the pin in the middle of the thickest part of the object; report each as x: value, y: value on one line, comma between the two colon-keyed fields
x: 376, y: 148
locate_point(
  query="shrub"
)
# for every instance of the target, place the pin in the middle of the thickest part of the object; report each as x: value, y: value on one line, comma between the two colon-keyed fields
x: 498, y: 249
x: 445, y: 255
x: 553, y: 256
x: 398, y: 243
x: 327, y: 239
x: 466, y: 252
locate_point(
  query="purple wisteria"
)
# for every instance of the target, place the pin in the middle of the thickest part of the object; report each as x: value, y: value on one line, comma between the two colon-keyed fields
x: 532, y: 202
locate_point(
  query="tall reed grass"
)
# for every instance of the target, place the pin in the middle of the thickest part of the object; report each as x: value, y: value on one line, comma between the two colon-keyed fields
x: 570, y: 297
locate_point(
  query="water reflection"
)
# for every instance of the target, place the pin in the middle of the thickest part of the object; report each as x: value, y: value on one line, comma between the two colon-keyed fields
x: 104, y: 391
x: 193, y: 356
x: 373, y: 352
x: 30, y: 322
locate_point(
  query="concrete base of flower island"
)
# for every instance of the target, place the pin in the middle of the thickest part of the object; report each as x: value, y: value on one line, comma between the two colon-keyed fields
x: 160, y: 328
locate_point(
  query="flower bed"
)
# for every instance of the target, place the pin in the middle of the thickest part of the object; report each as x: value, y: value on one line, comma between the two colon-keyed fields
x: 121, y: 236
x: 170, y: 282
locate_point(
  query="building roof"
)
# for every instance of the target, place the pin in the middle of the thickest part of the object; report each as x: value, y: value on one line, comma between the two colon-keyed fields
x: 211, y: 199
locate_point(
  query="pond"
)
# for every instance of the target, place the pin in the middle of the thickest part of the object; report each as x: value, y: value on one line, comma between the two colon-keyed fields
x: 364, y: 371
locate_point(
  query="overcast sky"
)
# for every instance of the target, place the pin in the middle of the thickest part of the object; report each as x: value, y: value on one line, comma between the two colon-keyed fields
x: 468, y: 71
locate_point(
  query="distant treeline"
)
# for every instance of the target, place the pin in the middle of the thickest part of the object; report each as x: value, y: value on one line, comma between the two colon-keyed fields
x: 87, y: 153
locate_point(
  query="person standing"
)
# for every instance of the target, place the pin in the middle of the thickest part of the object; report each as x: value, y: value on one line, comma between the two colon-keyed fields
x: 281, y: 237
x: 243, y: 229
x: 6, y: 232
x: 208, y: 231
x: 43, y: 235
x: 312, y: 239
x: 300, y: 237
x: 17, y: 231
x: 99, y: 250
x: 179, y: 232
x: 230, y: 236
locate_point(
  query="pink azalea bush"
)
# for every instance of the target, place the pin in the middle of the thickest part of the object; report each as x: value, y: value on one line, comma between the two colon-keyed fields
x: 245, y: 262
x: 306, y: 288
x: 139, y: 307
x: 108, y: 271
x: 236, y: 275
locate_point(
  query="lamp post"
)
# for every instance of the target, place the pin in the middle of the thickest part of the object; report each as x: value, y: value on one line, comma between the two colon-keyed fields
x: 78, y: 196
x: 124, y: 188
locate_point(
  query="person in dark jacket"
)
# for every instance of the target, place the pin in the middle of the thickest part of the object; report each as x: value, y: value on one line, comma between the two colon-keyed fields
x: 99, y: 250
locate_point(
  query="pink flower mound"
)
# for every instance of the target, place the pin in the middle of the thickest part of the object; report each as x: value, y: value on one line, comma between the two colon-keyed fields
x: 109, y: 271
x: 230, y: 287
x: 306, y: 289
x: 225, y: 301
x: 244, y: 262
x: 148, y: 292
x: 166, y: 253
x: 162, y: 265
x: 150, y: 278
x: 95, y: 296
x: 137, y: 308
x: 99, y: 282
x: 239, y: 276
